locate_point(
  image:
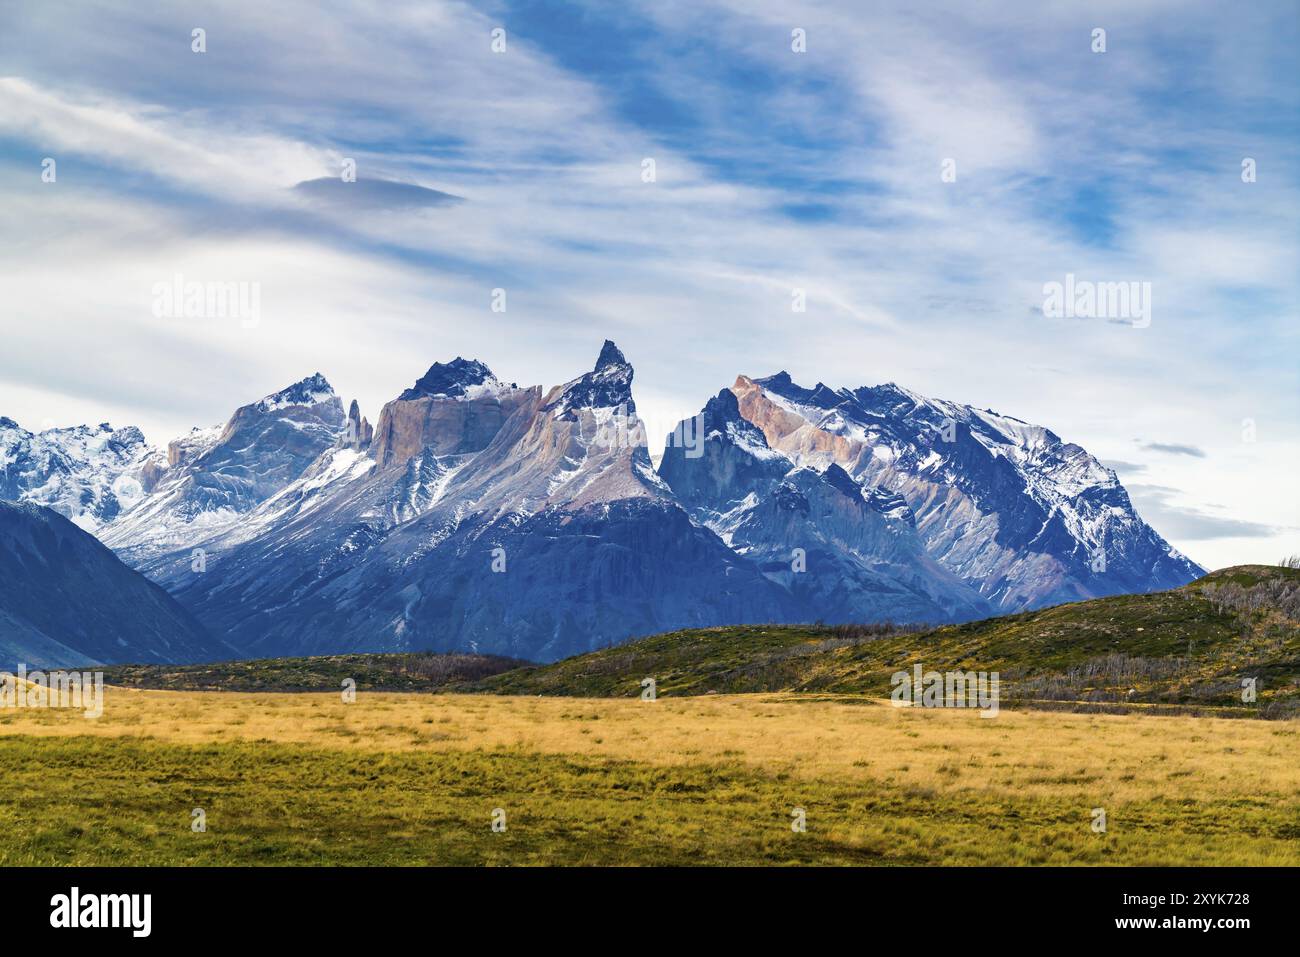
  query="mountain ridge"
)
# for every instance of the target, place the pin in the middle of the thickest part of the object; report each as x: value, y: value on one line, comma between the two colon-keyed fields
x: 318, y: 532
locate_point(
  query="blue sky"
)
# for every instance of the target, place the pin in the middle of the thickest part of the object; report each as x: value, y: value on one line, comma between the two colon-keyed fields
x: 775, y: 170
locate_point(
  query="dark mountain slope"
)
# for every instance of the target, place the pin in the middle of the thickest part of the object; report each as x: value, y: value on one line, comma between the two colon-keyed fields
x: 66, y: 600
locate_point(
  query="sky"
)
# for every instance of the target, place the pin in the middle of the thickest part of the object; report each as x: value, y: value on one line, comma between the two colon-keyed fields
x: 921, y: 172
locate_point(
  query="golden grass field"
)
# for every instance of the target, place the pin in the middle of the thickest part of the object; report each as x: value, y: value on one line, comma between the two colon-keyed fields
x: 410, y: 778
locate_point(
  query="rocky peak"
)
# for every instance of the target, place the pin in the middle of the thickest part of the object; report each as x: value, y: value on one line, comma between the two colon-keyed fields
x: 732, y: 462
x: 887, y: 399
x: 607, y: 386
x: 610, y: 355
x: 264, y: 445
x: 721, y: 410
x: 313, y: 390
x: 825, y: 397
x: 455, y: 408
x: 721, y: 416
x: 777, y: 382
x: 459, y: 378
x: 839, y: 480
x: 781, y: 384
x: 820, y: 396
x: 358, y: 433
x: 125, y: 438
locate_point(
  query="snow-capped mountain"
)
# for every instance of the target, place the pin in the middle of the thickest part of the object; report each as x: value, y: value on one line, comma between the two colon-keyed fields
x: 845, y: 551
x: 215, y: 476
x: 453, y: 409
x: 88, y: 474
x: 520, y: 522
x: 1008, y: 507
x: 478, y: 514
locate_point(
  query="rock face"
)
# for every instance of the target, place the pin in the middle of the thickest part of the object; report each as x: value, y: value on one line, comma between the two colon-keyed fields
x: 89, y: 474
x: 67, y: 601
x: 1024, y: 518
x: 454, y: 409
x: 359, y: 433
x: 268, y: 443
x: 842, y: 550
x: 735, y: 461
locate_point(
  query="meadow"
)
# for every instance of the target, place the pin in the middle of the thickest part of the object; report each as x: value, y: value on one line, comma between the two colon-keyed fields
x: 415, y: 779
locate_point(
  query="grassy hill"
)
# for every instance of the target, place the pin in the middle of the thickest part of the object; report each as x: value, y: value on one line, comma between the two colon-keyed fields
x: 1191, y: 646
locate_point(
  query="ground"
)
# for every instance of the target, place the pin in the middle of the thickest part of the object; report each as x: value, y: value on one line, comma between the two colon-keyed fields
x: 415, y: 778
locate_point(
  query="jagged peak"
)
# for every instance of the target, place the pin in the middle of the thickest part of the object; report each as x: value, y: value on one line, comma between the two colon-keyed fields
x: 822, y: 394
x: 780, y: 380
x: 608, y: 386
x: 459, y: 378
x: 722, y: 408
x: 610, y: 355
x: 310, y: 391
x: 721, y: 420
x: 896, y: 389
x: 783, y: 385
x: 358, y: 433
x: 126, y: 436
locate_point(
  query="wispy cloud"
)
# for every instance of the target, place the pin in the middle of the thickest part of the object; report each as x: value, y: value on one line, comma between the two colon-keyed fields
x: 775, y: 171
x: 373, y: 194
x: 1171, y: 448
x: 1123, y: 468
x: 161, y: 143
x: 1160, y: 507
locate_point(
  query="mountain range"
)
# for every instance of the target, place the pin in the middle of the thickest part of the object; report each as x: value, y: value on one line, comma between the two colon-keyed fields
x: 483, y: 516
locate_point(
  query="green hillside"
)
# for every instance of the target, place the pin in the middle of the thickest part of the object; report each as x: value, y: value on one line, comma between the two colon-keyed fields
x: 1190, y: 647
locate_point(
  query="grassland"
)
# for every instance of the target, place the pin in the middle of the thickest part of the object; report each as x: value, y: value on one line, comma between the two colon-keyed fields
x: 414, y: 779
x: 750, y: 723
